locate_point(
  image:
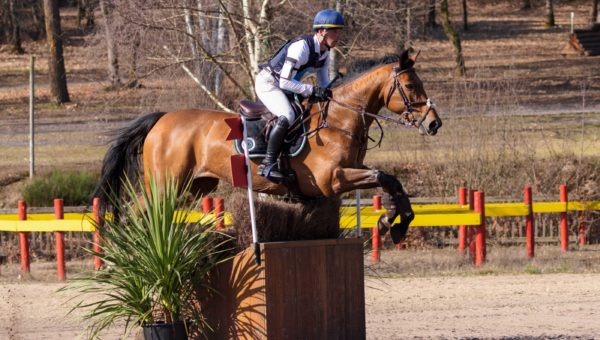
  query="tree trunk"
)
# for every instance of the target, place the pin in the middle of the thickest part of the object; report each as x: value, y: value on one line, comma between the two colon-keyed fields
x: 453, y: 37
x: 334, y: 55
x: 85, y: 11
x: 408, y: 39
x: 56, y: 64
x: 111, y: 47
x: 37, y: 17
x: 221, y: 30
x: 15, y: 34
x: 465, y: 15
x: 132, y: 81
x: 595, y: 12
x: 526, y: 5
x: 549, y: 14
x: 431, y: 14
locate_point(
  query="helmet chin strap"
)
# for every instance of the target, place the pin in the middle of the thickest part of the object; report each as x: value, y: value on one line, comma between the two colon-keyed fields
x: 323, y: 41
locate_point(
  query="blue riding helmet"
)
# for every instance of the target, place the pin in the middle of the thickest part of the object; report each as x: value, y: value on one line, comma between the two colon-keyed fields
x: 328, y: 18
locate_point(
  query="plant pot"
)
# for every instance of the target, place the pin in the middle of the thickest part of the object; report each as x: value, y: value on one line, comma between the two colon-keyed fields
x: 165, y: 331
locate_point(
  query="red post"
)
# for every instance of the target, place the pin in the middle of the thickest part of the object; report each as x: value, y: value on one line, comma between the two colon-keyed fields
x: 23, y: 239
x: 98, y: 219
x: 207, y: 205
x: 471, y: 229
x: 60, y: 244
x: 564, y: 227
x: 480, y: 251
x: 376, y: 239
x: 529, y: 227
x: 582, y: 239
x: 219, y: 209
x: 462, y: 230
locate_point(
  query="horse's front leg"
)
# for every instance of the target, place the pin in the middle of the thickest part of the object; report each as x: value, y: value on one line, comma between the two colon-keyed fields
x: 395, y: 200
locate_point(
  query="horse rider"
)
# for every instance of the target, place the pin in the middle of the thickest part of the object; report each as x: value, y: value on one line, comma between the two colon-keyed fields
x: 280, y: 77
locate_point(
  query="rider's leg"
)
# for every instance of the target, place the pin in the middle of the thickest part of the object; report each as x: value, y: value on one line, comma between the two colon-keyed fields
x: 277, y: 102
x: 269, y: 167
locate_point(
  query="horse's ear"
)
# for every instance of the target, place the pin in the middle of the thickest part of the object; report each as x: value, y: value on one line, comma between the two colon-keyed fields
x: 414, y: 57
x: 406, y: 61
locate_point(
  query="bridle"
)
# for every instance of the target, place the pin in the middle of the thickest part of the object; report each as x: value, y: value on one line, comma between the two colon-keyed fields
x: 407, y: 117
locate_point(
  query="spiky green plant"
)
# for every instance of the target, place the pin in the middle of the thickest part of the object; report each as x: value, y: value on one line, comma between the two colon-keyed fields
x: 155, y: 258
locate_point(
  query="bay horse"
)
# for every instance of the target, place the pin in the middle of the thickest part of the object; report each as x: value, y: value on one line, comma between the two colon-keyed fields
x: 191, y: 142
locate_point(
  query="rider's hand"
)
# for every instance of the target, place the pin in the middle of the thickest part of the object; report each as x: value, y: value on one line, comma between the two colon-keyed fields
x: 320, y: 94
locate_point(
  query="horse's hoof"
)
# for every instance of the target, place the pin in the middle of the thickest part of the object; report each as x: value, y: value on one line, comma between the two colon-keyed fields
x: 398, y: 232
x: 382, y: 226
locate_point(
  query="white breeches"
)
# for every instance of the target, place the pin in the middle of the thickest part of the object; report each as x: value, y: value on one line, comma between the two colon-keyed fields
x: 272, y: 96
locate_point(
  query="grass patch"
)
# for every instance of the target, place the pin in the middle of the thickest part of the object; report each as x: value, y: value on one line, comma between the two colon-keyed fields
x: 531, y: 269
x: 74, y: 187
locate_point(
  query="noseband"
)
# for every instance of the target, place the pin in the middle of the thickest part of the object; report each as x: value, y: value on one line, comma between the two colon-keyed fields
x: 407, y: 117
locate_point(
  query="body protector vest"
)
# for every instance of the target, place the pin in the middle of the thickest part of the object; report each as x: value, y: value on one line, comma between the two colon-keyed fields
x: 275, y: 64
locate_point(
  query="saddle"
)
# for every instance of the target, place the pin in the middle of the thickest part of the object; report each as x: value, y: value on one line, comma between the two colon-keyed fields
x: 259, y: 121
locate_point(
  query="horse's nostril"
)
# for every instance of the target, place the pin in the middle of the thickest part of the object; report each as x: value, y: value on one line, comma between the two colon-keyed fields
x: 433, y: 126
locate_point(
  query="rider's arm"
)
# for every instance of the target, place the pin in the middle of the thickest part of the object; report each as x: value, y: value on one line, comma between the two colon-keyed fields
x: 297, y: 56
x: 323, y: 73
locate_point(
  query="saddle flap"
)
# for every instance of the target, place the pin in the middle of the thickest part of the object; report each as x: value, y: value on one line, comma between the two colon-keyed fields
x: 254, y: 110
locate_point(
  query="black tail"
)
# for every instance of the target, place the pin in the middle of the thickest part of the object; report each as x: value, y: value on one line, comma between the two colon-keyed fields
x: 122, y: 158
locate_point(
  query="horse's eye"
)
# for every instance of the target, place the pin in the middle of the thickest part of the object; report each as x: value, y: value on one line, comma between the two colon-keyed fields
x: 409, y: 86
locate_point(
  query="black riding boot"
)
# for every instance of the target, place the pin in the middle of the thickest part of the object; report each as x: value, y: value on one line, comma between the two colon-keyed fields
x: 268, y: 167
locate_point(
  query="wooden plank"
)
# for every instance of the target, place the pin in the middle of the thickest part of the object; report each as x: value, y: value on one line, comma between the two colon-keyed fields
x: 354, y: 290
x: 281, y: 284
x: 336, y: 298
x: 311, y: 278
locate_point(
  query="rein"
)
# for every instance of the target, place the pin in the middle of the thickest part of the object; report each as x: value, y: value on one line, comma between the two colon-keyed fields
x: 406, y: 117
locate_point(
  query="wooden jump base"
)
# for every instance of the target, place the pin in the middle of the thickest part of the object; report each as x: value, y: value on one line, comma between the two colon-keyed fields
x: 584, y: 42
x: 301, y: 290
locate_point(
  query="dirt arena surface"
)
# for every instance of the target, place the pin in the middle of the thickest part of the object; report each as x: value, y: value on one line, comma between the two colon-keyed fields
x: 502, y: 306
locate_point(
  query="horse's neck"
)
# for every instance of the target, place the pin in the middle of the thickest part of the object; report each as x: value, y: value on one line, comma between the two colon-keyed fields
x: 365, y: 92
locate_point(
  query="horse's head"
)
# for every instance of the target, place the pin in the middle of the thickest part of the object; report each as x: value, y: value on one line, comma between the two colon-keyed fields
x: 406, y: 97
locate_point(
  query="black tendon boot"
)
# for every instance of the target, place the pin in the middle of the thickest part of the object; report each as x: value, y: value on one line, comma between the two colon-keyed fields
x: 268, y: 168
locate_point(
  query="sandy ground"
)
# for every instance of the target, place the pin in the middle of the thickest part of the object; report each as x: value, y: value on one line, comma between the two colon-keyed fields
x: 502, y: 306
x: 507, y: 306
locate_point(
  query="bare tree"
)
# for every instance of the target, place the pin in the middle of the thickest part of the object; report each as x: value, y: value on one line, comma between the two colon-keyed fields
x: 334, y: 56
x: 85, y: 11
x: 15, y: 34
x: 37, y: 18
x: 526, y: 5
x: 56, y: 64
x: 595, y: 17
x: 10, y: 30
x: 453, y: 37
x: 111, y: 47
x: 431, y: 13
x: 549, y: 14
x: 465, y: 15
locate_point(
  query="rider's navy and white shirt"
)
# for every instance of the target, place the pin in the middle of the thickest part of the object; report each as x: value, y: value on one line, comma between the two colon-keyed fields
x: 283, y: 72
x: 300, y: 52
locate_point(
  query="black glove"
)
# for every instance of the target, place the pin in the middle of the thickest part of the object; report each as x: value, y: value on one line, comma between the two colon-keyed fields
x: 320, y: 94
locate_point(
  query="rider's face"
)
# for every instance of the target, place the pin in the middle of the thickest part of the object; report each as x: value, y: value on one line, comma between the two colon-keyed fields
x: 330, y: 36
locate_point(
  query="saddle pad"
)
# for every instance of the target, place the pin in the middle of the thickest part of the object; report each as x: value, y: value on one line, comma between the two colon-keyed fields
x: 257, y: 146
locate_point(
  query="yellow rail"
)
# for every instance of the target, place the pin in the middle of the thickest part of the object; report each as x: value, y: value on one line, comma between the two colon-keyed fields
x: 426, y: 215
x: 75, y: 222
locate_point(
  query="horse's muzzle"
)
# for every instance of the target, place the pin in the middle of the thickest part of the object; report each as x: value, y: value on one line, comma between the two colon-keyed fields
x: 430, y: 127
x: 433, y: 127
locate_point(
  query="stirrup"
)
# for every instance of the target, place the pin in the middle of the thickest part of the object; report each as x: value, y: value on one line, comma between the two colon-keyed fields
x: 266, y: 170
